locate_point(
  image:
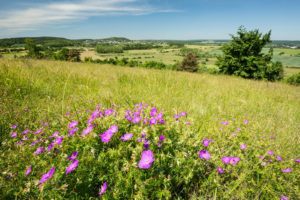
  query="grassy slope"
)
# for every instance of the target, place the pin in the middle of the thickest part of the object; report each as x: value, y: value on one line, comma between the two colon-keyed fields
x: 273, y: 107
x: 48, y: 87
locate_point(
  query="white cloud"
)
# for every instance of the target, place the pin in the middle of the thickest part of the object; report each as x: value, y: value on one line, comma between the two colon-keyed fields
x: 35, y: 15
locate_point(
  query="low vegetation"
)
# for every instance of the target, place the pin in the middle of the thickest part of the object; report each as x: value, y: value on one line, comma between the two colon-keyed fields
x: 80, y: 130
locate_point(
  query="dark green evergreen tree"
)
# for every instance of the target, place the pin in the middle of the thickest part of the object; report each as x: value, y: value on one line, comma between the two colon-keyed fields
x: 243, y: 56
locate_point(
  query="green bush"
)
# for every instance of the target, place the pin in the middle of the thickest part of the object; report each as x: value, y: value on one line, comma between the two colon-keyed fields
x: 243, y: 57
x: 154, y: 65
x: 293, y: 79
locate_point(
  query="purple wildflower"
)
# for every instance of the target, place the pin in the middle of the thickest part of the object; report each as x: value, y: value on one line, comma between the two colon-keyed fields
x: 39, y: 150
x: 73, y: 156
x: 270, y: 152
x: 152, y: 121
x: 113, y: 129
x: 234, y: 134
x: 234, y: 160
x: 264, y: 164
x: 14, y: 134
x: 50, y: 146
x: 162, y: 121
x: 28, y: 170
x: 238, y: 129
x: 108, y: 112
x: 143, y: 134
x: 176, y: 116
x: 72, y: 131
x: 188, y: 123
x: 153, y: 112
x: 225, y: 123
x: 73, y: 124
x: 145, y: 121
x: 88, y: 129
x: 226, y: 160
x: 220, y: 170
x: 46, y: 124
x: 58, y: 140
x: 146, y: 143
x: 146, y: 160
x: 25, y: 132
x: 159, y: 116
x: 126, y: 136
x: 14, y: 126
x: 159, y: 144
x: 95, y: 114
x: 139, y: 140
x: 243, y: 146
x: 288, y: 170
x: 183, y: 114
x: 72, y: 166
x: 284, y: 198
x: 206, y: 142
x: 106, y: 136
x: 54, y: 135
x: 90, y: 120
x: 246, y: 122
x: 261, y: 157
x: 162, y: 137
x: 204, y: 155
x: 297, y: 160
x: 103, y: 188
x: 278, y: 158
x: 33, y: 143
x: 272, y: 137
x: 48, y: 175
x: 38, y: 131
x: 136, y: 120
x: 25, y: 137
x: 129, y: 118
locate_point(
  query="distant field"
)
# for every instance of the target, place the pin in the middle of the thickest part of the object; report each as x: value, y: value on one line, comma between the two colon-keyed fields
x: 288, y: 57
x: 11, y: 55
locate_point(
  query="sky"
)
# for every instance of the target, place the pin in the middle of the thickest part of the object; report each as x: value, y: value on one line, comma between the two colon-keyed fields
x: 148, y: 19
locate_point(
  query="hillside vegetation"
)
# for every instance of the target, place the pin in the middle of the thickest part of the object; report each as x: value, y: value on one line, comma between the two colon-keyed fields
x: 227, y: 111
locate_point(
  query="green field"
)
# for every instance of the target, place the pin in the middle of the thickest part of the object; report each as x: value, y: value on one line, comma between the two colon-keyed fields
x: 170, y: 56
x: 47, y: 88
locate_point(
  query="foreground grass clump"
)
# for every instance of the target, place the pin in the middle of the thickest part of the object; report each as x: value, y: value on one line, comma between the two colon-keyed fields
x: 204, y: 137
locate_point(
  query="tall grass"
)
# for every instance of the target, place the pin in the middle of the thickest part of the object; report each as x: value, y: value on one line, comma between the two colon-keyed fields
x: 272, y: 109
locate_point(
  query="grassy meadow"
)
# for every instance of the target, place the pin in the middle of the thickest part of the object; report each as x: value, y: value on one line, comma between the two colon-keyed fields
x: 216, y: 105
x: 289, y: 57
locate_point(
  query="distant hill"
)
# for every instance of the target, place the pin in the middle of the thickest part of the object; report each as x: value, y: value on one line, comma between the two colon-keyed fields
x: 58, y: 41
x: 64, y: 42
x: 46, y: 41
x: 117, y: 39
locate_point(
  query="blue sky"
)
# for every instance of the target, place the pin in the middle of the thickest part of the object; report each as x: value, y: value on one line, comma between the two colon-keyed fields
x: 148, y: 19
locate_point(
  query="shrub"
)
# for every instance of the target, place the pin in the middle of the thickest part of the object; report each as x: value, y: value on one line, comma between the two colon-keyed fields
x: 293, y: 79
x: 243, y: 57
x: 154, y: 65
x: 189, y: 63
x: 74, y: 55
x: 272, y: 71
